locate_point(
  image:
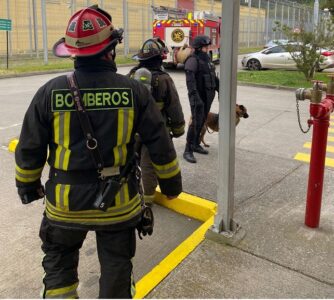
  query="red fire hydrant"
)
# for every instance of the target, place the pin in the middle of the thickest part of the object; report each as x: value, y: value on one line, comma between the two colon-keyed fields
x: 320, y: 111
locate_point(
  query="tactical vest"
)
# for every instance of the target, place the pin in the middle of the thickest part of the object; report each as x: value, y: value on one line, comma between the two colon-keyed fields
x: 205, y: 79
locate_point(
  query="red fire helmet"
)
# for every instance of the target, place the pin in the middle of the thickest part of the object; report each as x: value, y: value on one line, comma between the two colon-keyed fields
x: 88, y: 33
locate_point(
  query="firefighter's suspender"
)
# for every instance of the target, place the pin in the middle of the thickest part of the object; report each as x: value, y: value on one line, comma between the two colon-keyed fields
x: 85, y: 123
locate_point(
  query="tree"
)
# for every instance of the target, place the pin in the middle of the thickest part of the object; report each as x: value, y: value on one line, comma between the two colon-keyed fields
x: 305, y: 47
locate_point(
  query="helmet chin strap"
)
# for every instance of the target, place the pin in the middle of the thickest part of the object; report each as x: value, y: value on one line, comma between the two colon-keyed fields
x: 110, y: 55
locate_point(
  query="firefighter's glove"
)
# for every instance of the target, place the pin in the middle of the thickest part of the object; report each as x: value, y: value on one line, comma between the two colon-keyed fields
x: 177, y: 131
x: 146, y: 223
x: 30, y: 194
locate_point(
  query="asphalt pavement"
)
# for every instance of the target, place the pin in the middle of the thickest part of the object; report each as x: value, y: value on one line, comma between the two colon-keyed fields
x: 279, y: 257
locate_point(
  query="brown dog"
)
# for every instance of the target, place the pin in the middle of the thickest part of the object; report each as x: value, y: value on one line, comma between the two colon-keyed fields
x: 212, y: 121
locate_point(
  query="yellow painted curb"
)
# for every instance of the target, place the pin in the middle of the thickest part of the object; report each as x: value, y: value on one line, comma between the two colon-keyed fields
x: 12, y: 145
x: 158, y: 273
x: 191, y: 206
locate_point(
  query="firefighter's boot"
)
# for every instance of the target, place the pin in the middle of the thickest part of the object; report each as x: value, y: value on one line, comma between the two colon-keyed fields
x: 200, y: 149
x: 188, y: 154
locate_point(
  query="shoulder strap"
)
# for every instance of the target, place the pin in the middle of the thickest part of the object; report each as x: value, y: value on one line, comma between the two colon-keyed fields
x: 86, y: 126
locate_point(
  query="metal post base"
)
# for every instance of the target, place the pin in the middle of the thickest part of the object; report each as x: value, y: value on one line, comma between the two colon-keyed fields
x: 231, y: 238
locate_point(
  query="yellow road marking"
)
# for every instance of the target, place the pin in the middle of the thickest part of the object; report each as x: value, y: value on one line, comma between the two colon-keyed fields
x: 329, y: 149
x: 329, y: 162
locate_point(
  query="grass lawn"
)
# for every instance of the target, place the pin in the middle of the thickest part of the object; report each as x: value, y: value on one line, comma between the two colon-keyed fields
x: 293, y: 79
x: 34, y: 65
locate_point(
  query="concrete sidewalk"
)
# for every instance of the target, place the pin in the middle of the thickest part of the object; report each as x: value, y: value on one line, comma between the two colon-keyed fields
x: 279, y: 257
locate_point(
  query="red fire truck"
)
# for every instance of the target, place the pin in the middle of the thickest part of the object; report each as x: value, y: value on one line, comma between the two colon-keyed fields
x: 179, y: 27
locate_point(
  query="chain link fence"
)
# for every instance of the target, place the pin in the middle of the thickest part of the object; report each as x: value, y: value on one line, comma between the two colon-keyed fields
x: 38, y: 24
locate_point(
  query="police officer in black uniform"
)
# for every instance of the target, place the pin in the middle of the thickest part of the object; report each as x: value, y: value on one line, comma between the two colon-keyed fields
x: 118, y: 107
x: 202, y: 83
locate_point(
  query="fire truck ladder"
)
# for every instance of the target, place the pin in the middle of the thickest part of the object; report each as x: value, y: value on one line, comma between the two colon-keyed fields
x: 164, y: 12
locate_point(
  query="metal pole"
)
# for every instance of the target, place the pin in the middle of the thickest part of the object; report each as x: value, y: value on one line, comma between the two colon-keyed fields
x: 299, y: 16
x: 228, y: 91
x: 35, y: 27
x: 125, y: 25
x: 249, y: 22
x: 30, y: 26
x: 257, y: 23
x: 44, y: 31
x: 267, y: 29
x: 315, y: 14
x: 87, y: 3
x: 9, y: 42
x: 7, y: 48
x: 72, y: 7
x: 142, y: 25
x: 275, y: 18
x: 288, y: 15
x: 282, y: 19
x: 101, y: 3
x: 294, y: 16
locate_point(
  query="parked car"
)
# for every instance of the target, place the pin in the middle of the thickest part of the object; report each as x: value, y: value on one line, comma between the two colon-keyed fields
x: 278, y: 58
x: 273, y: 43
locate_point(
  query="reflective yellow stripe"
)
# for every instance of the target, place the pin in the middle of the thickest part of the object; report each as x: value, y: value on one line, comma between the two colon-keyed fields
x: 92, y: 213
x: 57, y: 191
x: 66, y: 199
x: 67, y: 120
x: 178, y: 129
x: 118, y: 148
x: 56, y: 137
x: 130, y: 118
x: 28, y: 172
x: 62, y: 201
x: 122, y: 196
x: 62, y: 291
x: 125, y: 127
x: 160, y: 105
x: 27, y: 179
x: 27, y: 175
x: 133, y: 286
x: 99, y: 219
x: 168, y: 170
x: 61, y: 125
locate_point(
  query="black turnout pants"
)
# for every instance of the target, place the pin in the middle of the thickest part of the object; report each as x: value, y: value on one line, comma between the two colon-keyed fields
x: 199, y: 112
x: 61, y: 247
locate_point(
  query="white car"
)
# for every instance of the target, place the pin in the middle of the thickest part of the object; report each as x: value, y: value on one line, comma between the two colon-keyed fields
x: 278, y: 58
x: 273, y: 43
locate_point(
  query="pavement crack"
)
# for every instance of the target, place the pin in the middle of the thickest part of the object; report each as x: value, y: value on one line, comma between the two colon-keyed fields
x: 261, y: 126
x: 331, y: 284
x: 268, y: 187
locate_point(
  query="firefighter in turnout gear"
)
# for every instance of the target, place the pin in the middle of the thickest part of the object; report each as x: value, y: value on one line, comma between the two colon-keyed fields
x: 202, y: 83
x: 117, y: 108
x: 162, y: 87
